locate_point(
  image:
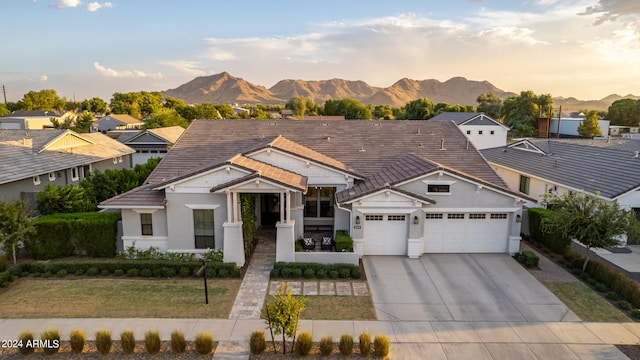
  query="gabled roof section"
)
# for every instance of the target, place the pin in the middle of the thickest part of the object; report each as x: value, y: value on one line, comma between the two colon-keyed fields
x: 123, y: 118
x: 163, y: 135
x: 526, y: 145
x: 66, y: 140
x: 467, y: 118
x: 609, y: 171
x: 291, y: 147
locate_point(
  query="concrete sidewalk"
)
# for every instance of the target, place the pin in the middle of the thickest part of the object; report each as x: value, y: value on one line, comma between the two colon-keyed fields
x: 410, y: 339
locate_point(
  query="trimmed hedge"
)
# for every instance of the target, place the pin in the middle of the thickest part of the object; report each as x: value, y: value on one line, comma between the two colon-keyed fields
x: 296, y: 270
x: 60, y: 235
x: 344, y: 242
x: 527, y: 258
x: 553, y: 240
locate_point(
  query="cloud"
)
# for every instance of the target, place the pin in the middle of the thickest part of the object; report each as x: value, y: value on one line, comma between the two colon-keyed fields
x: 44, y: 78
x: 610, y: 10
x: 62, y: 4
x: 192, y: 68
x: 135, y: 74
x: 95, y: 6
x: 512, y: 33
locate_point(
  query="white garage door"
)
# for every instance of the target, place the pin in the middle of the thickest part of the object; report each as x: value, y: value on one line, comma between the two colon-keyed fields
x: 385, y: 234
x: 466, y: 233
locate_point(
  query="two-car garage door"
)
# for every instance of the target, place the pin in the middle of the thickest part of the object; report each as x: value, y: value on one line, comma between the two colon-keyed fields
x: 466, y: 232
x: 385, y: 234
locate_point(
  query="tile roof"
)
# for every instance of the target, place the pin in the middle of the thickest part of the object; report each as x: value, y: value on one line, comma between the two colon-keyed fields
x: 364, y: 147
x: 34, y: 113
x: 460, y: 118
x: 124, y: 118
x: 35, y: 152
x: 271, y: 172
x: 576, y: 164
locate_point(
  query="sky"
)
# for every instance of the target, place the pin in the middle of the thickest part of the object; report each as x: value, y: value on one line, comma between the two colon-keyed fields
x: 586, y: 49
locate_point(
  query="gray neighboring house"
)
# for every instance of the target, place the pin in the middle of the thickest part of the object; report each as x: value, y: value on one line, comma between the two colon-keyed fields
x: 34, y: 158
x: 151, y: 142
x: 31, y: 119
x: 116, y: 122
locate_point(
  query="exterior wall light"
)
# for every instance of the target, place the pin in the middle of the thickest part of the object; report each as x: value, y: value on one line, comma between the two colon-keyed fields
x: 415, y: 220
x: 357, y: 220
x: 518, y: 218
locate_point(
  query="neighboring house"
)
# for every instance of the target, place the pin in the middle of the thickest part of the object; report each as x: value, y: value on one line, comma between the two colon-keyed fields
x: 31, y: 119
x: 151, y: 142
x: 116, y: 122
x: 483, y: 131
x: 398, y: 187
x: 32, y: 159
x: 569, y: 127
x: 535, y: 167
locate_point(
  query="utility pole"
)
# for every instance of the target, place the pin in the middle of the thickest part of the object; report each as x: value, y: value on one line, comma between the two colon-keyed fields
x: 4, y: 92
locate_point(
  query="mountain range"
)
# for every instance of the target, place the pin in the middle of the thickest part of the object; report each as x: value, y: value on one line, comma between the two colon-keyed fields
x: 225, y: 88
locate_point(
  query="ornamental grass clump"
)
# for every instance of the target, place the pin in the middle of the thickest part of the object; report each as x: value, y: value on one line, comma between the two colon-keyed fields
x: 364, y: 344
x: 326, y: 345
x: 51, y: 341
x: 178, y: 342
x: 346, y: 345
x: 204, y: 343
x: 103, y: 341
x: 26, y: 343
x: 381, y: 346
x: 77, y: 340
x: 303, y: 344
x: 152, y: 341
x: 127, y: 342
x: 257, y: 342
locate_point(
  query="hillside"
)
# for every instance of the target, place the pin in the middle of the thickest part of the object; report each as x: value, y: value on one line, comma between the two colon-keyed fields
x: 225, y: 88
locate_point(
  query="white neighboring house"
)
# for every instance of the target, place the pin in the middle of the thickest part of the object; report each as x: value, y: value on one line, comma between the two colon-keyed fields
x: 116, y: 122
x: 535, y: 167
x: 151, y: 142
x: 483, y: 131
x: 395, y: 190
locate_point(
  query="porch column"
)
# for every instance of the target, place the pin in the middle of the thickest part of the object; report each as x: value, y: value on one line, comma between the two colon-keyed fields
x: 236, y: 208
x: 288, y: 206
x: 229, y: 207
x: 282, y: 208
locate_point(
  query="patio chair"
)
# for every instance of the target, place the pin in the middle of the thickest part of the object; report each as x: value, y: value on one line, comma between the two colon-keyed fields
x: 307, y: 242
x: 327, y: 242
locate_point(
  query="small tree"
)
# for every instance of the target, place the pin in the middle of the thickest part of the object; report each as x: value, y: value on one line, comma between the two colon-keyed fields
x: 283, y: 313
x: 593, y: 221
x: 15, y: 225
x: 589, y: 127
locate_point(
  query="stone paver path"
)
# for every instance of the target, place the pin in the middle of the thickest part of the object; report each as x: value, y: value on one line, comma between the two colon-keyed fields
x: 327, y: 288
x: 250, y: 298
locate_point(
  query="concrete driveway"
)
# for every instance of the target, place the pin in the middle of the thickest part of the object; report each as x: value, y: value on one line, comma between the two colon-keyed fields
x: 459, y: 287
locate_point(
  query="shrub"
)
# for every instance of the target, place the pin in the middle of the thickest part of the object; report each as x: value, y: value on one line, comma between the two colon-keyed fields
x: 344, y: 242
x: 185, y: 272
x: 76, y: 338
x: 257, y: 342
x: 48, y: 274
x: 146, y: 273
x: 103, y: 341
x: 223, y: 273
x: 326, y: 345
x: 296, y: 273
x: 601, y: 287
x: 178, y: 342
x: 528, y: 258
x: 612, y: 295
x: 346, y: 345
x: 169, y: 272
x: 51, y: 338
x: 79, y: 272
x: 356, y: 273
x: 635, y: 313
x: 62, y: 273
x: 624, y: 305
x: 204, y: 343
x: 584, y: 276
x: 93, y: 271
x: 333, y: 274
x: 26, y: 339
x: 592, y: 281
x: 308, y: 273
x: 303, y: 344
x: 321, y: 274
x: 105, y: 272
x: 381, y: 346
x: 553, y: 240
x: 275, y: 273
x: 118, y: 272
x: 152, y: 342
x: 127, y: 342
x: 133, y: 272
x: 364, y: 344
x: 345, y: 273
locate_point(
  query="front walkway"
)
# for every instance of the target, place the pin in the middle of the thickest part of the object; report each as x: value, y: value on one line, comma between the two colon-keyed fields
x: 250, y: 298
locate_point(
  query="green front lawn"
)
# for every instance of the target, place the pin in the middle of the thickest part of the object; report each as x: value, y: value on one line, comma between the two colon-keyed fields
x: 117, y: 298
x: 585, y: 302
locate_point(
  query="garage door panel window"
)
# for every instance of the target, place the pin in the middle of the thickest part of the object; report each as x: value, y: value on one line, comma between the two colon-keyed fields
x: 374, y: 217
x: 432, y: 216
x: 499, y: 216
x: 455, y: 216
x: 477, y: 216
x: 396, y: 218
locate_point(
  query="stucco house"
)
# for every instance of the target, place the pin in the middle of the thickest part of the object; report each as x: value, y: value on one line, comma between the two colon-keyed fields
x: 151, y: 142
x: 483, y: 131
x: 33, y: 119
x: 398, y: 187
x: 116, y: 122
x: 32, y: 159
x: 535, y: 167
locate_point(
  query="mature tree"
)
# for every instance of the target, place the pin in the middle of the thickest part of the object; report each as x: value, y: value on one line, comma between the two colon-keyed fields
x: 383, y: 112
x: 283, y: 313
x: 589, y: 127
x: 260, y: 114
x: 207, y: 111
x: 489, y: 104
x: 624, y: 112
x: 15, y: 225
x: 349, y: 108
x: 83, y: 122
x: 94, y: 105
x: 46, y: 99
x: 593, y: 221
x: 65, y: 124
x: 165, y: 119
x: 419, y: 109
x: 63, y: 199
x: 137, y: 104
x: 3, y: 109
x: 173, y: 103
x: 444, y: 107
x: 302, y: 106
x: 226, y: 111
x: 72, y: 105
x: 522, y: 112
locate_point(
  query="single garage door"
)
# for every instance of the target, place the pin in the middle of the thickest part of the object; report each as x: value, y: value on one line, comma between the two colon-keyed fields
x: 385, y: 234
x: 466, y: 233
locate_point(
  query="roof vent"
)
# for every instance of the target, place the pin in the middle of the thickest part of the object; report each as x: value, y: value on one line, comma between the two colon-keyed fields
x: 325, y: 124
x: 272, y: 124
x: 637, y: 154
x: 362, y: 149
x: 328, y: 138
x: 467, y: 144
x: 442, y: 144
x: 419, y: 132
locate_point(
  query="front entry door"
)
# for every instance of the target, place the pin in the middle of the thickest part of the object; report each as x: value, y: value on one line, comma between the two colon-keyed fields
x: 269, y: 209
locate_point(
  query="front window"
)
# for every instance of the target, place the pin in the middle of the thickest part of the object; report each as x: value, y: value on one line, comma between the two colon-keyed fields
x: 74, y: 174
x: 146, y: 221
x: 319, y: 202
x: 203, y: 228
x: 438, y: 188
x: 525, y: 181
